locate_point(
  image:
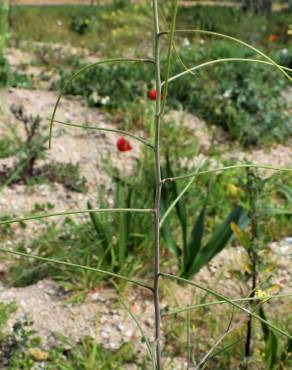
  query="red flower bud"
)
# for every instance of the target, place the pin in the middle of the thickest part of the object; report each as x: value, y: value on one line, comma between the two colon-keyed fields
x: 152, y: 94
x: 273, y: 38
x: 123, y: 145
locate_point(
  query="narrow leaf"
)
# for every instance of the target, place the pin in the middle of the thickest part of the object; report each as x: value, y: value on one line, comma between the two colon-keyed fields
x: 218, y: 241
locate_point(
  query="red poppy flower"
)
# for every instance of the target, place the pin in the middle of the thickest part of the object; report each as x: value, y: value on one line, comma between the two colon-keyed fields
x: 152, y: 94
x: 273, y: 38
x: 123, y: 145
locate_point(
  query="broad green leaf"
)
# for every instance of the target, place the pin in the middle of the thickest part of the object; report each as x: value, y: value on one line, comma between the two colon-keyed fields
x: 218, y: 241
x: 195, y: 241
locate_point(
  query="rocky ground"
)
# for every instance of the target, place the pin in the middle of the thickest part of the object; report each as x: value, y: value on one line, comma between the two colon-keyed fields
x: 99, y: 316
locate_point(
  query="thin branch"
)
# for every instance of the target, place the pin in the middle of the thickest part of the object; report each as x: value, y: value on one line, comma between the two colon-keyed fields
x: 169, y: 52
x: 66, y: 213
x: 217, y: 342
x: 221, y: 35
x: 246, y: 165
x: 218, y: 295
x: 207, y: 304
x: 143, y: 335
x: 63, y: 90
x: 69, y: 264
x: 157, y: 120
x: 218, y: 61
x: 125, y: 133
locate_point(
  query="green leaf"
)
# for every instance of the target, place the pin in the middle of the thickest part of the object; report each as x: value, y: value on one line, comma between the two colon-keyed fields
x: 195, y: 242
x: 166, y: 229
x: 286, y: 191
x: 180, y: 205
x: 100, y: 231
x: 272, y: 344
x: 124, y: 231
x: 218, y: 241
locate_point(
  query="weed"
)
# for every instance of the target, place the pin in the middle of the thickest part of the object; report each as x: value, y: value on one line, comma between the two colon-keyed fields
x: 30, y: 151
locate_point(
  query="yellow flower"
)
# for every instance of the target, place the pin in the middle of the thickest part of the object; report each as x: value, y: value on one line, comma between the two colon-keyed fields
x: 233, y: 190
x: 262, y: 295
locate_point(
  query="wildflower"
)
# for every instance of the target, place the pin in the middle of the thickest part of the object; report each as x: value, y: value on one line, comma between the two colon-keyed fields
x: 273, y: 38
x: 233, y: 190
x: 152, y: 94
x: 123, y: 145
x: 260, y: 294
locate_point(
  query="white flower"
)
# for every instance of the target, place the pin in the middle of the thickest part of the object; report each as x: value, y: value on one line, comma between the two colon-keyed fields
x: 186, y: 42
x: 104, y: 100
x: 227, y: 94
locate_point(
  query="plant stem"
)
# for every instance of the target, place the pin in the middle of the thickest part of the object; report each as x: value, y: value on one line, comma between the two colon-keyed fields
x: 252, y: 191
x: 158, y: 186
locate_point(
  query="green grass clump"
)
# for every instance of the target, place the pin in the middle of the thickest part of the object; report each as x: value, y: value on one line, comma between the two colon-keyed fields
x: 4, y: 71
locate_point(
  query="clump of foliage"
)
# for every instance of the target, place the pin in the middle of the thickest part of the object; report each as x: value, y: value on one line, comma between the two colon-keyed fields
x: 92, y: 243
x: 195, y: 251
x: 12, y: 78
x: 80, y: 24
x: 128, y: 83
x: 4, y: 71
x: 243, y: 98
x: 30, y: 151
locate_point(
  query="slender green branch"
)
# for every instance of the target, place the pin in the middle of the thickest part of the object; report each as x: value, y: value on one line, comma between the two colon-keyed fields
x: 70, y: 264
x: 104, y: 61
x: 207, y: 304
x: 169, y: 52
x: 126, y: 133
x: 234, y: 304
x: 221, y: 35
x: 143, y: 335
x: 169, y: 209
x: 227, y: 168
x: 66, y: 213
x: 218, y: 61
x: 158, y: 188
x: 185, y: 189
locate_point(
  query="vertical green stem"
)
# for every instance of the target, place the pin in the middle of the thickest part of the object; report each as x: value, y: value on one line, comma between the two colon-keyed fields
x: 158, y: 186
x: 4, y: 10
x: 252, y: 191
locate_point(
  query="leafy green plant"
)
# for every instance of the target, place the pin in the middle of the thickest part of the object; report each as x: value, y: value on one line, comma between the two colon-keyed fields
x: 195, y: 252
x: 254, y: 240
x: 89, y: 355
x: 13, y: 347
x: 243, y: 98
x: 80, y: 25
x: 4, y: 71
x: 32, y: 149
